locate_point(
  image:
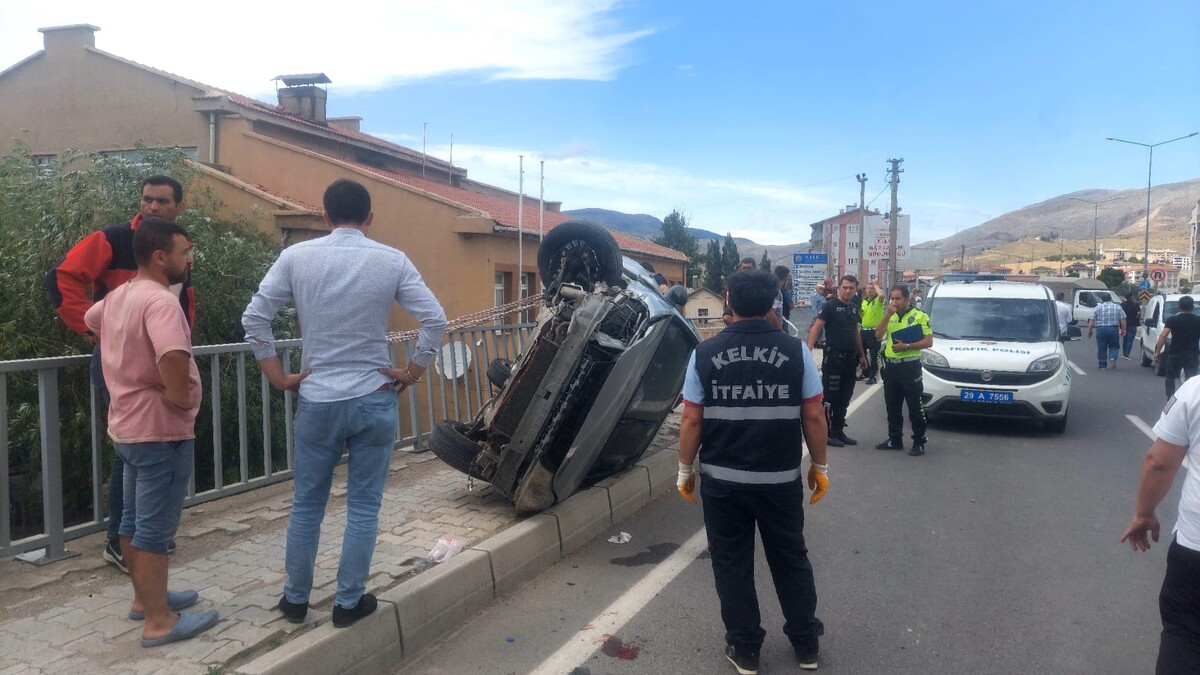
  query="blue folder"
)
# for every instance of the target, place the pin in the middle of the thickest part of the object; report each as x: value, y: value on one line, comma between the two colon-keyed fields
x: 908, y: 335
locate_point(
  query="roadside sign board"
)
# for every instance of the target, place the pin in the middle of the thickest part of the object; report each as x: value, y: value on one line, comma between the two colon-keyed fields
x: 1158, y: 276
x: 1144, y: 285
x: 808, y: 272
x: 1144, y: 295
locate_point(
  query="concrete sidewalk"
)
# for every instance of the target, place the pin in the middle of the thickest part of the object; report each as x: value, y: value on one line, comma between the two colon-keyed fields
x: 70, y: 616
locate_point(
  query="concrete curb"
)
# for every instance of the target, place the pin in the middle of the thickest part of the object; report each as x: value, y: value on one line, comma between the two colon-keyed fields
x: 419, y: 611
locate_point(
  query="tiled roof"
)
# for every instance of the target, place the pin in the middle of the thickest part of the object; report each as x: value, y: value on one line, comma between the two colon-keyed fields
x: 504, y: 212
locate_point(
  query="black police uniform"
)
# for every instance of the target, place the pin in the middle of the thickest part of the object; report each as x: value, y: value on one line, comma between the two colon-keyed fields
x: 750, y: 452
x: 839, y: 364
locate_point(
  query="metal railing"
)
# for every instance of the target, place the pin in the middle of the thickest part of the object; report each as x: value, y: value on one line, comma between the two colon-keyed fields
x: 456, y: 387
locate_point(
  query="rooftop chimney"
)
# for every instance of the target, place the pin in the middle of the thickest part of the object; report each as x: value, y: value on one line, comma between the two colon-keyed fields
x: 351, y: 123
x: 69, y: 37
x: 301, y: 95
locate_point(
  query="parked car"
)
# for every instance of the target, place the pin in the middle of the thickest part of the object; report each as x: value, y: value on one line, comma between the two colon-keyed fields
x: 1160, y: 308
x: 590, y: 391
x: 997, y: 352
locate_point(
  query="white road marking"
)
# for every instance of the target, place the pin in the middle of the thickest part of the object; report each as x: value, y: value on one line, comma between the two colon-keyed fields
x: 1145, y: 429
x: 624, y: 608
x: 1076, y: 368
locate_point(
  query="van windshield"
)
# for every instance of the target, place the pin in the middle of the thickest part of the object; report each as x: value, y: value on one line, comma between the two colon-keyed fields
x: 1003, y: 319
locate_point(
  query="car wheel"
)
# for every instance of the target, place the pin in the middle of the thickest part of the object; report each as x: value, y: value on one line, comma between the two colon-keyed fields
x: 1058, y: 426
x: 451, y: 444
x: 498, y: 372
x: 584, y: 252
x: 1146, y: 360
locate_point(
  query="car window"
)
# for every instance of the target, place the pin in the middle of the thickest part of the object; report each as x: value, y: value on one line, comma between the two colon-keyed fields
x: 1006, y: 319
x: 1170, y: 309
x: 1087, y: 299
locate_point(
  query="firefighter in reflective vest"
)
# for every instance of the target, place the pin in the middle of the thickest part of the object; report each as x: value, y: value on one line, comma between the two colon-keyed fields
x: 907, y: 332
x: 751, y: 393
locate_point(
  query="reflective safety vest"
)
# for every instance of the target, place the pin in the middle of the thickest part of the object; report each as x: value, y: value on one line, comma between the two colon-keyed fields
x: 912, y: 318
x: 753, y: 377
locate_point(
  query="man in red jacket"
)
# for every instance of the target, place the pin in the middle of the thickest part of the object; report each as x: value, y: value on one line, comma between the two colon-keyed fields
x: 99, y: 263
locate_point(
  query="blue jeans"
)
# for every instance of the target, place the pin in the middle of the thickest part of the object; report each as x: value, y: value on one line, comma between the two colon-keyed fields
x: 116, y: 479
x: 156, y: 477
x: 1108, y: 344
x: 1127, y: 342
x: 366, y: 428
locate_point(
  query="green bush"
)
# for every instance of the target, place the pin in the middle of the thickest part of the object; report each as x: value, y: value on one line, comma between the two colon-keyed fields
x: 46, y: 209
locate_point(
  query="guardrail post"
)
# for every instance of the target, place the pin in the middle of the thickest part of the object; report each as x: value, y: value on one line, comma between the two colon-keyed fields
x: 52, y: 511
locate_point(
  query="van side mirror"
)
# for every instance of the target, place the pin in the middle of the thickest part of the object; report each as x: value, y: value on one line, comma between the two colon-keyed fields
x: 1073, y: 333
x: 1149, y: 323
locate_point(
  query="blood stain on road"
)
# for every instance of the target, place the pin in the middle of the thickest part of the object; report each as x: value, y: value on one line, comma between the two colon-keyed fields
x: 615, y: 648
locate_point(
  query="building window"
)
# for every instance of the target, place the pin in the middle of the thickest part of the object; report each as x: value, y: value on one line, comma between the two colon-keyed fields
x: 136, y: 158
x: 702, y: 312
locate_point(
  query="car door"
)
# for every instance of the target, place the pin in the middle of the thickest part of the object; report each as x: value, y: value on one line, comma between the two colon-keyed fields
x: 1152, y: 326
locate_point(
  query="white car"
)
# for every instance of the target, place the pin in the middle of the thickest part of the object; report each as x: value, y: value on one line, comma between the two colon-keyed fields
x: 1160, y: 308
x: 996, y: 352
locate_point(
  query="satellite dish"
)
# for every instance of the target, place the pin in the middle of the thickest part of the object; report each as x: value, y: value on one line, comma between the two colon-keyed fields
x: 453, y: 361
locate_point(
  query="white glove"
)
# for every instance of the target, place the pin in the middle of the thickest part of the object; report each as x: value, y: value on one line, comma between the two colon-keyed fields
x: 685, y: 482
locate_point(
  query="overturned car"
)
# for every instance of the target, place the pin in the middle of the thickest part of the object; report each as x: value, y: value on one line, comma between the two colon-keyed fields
x: 590, y: 391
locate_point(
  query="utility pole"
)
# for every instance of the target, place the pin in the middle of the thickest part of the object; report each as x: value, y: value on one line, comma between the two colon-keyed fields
x: 862, y: 226
x: 893, y: 230
x: 962, y: 257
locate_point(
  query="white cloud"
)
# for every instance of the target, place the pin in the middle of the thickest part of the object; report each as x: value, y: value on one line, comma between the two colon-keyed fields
x: 367, y: 45
x: 766, y: 211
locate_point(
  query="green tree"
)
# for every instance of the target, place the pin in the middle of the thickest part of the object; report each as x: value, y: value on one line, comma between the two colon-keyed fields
x: 765, y: 263
x: 730, y: 258
x: 46, y: 209
x: 1112, y: 277
x: 714, y: 279
x: 676, y: 236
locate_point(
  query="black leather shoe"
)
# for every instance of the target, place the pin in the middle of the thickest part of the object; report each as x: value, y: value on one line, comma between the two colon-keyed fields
x: 889, y: 445
x: 743, y: 660
x: 807, y: 654
x: 872, y: 380
x: 846, y: 440
x: 918, y: 449
x: 293, y: 611
x: 834, y: 442
x: 343, y: 616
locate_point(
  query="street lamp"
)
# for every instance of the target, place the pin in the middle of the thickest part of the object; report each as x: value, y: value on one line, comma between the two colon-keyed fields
x: 1149, y: 174
x: 1095, y: 219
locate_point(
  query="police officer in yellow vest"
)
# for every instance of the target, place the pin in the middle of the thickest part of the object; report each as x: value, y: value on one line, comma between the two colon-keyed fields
x: 872, y: 315
x: 905, y: 331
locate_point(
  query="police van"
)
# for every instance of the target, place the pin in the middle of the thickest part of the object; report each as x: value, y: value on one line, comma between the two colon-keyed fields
x: 997, y: 352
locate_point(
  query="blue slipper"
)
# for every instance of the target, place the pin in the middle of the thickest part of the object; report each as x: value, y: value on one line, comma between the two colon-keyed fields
x: 176, y: 600
x: 188, y: 626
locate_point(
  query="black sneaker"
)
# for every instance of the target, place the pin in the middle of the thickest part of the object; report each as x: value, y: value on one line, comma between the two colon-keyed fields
x: 171, y: 547
x: 846, y: 440
x: 889, y: 445
x: 918, y: 449
x: 807, y: 653
x: 834, y: 442
x: 872, y: 380
x: 344, y: 616
x: 112, y: 554
x: 293, y: 611
x: 744, y: 660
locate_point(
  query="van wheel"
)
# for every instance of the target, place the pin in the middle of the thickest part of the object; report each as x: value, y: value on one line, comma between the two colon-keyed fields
x: 450, y: 443
x: 1146, y: 360
x: 1058, y: 426
x: 584, y: 252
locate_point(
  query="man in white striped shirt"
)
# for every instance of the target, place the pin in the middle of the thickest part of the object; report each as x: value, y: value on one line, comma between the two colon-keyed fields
x: 343, y: 286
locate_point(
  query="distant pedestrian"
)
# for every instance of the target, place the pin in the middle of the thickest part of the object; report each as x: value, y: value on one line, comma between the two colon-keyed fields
x: 146, y: 350
x: 1183, y: 354
x: 750, y: 452
x: 1108, y: 323
x: 872, y: 314
x: 1178, y: 440
x: 343, y: 286
x: 98, y: 264
x: 784, y: 275
x: 905, y: 331
x: 843, y: 356
x: 816, y: 301
x: 1065, y: 315
x: 745, y: 265
x: 1133, y: 319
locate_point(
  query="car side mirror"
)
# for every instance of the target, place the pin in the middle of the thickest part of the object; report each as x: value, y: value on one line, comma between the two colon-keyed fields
x: 1149, y: 323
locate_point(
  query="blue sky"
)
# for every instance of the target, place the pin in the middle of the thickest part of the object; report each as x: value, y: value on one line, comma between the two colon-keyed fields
x: 751, y: 117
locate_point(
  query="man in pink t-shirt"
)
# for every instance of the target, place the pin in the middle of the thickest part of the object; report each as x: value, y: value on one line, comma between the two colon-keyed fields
x: 146, y: 351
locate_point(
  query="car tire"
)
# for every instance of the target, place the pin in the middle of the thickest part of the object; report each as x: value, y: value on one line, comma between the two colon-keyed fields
x: 498, y: 372
x: 589, y: 250
x: 1058, y: 426
x: 1146, y: 360
x: 451, y: 444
